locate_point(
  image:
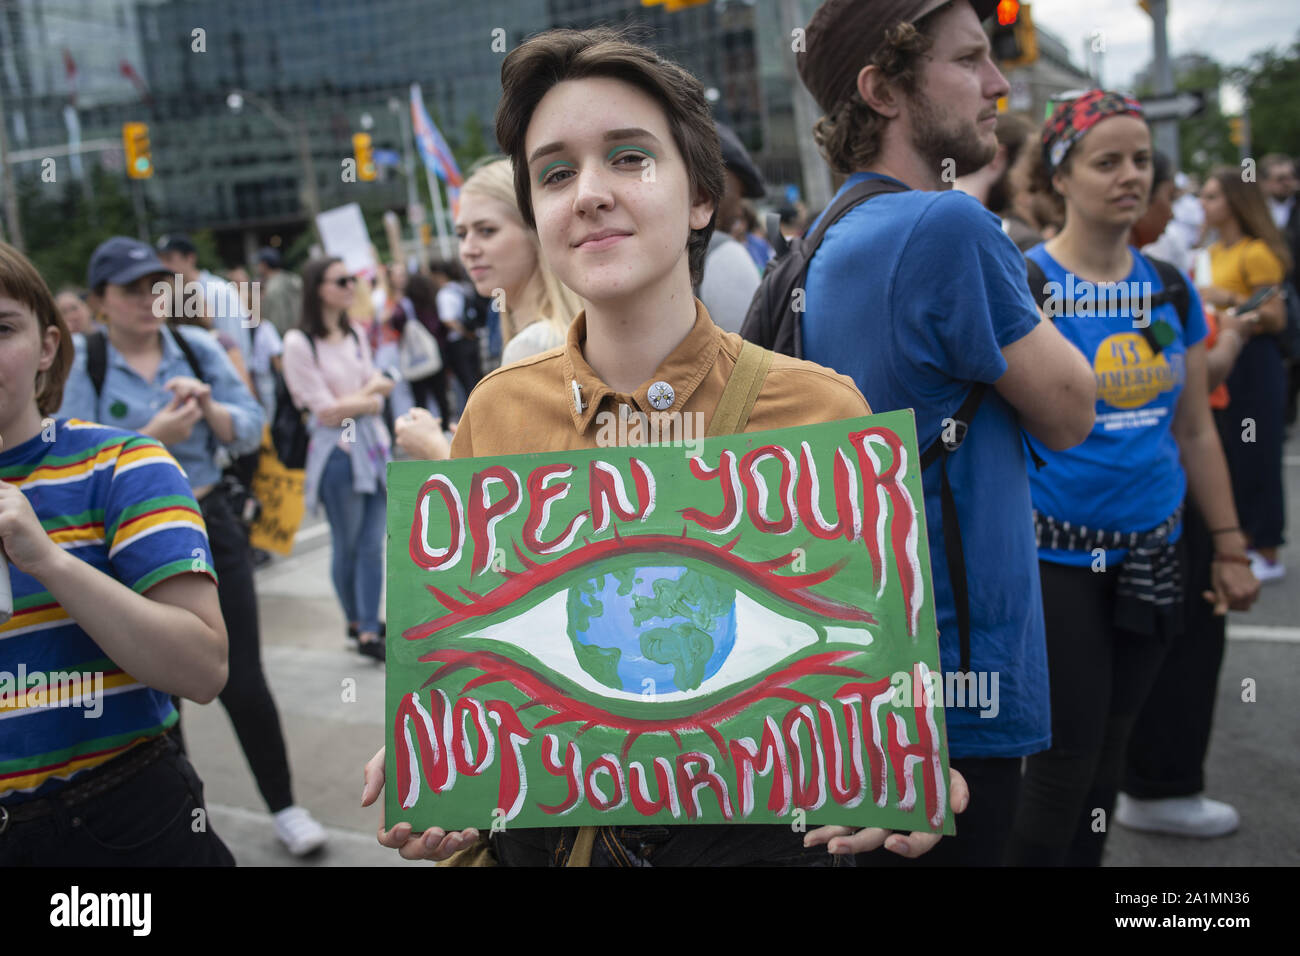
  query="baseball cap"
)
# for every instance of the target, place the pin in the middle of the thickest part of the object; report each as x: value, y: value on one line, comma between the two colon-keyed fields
x: 177, y: 242
x: 269, y: 256
x: 736, y: 158
x: 120, y: 261
x: 844, y: 35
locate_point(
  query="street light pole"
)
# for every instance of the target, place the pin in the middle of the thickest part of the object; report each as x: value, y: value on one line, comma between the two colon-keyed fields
x: 11, y: 194
x: 298, y: 131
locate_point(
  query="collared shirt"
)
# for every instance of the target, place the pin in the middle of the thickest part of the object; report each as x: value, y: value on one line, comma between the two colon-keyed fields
x: 1281, y: 210
x: 128, y: 401
x: 794, y: 393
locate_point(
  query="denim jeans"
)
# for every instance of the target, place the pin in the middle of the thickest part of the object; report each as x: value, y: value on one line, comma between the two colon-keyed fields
x: 357, y: 527
x: 151, y: 819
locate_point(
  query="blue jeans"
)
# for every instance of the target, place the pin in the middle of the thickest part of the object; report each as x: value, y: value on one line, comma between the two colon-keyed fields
x: 357, y: 526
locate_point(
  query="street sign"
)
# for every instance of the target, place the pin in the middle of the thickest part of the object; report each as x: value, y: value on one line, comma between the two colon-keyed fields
x: 1182, y: 105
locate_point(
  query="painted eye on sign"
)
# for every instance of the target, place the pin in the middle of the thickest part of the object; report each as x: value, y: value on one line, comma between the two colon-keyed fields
x: 626, y: 636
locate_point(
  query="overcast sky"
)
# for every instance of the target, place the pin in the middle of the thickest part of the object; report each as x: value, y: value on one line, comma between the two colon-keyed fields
x: 1226, y: 30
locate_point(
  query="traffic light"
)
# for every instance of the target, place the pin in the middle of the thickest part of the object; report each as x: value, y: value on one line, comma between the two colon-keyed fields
x: 1236, y: 130
x: 365, y: 157
x: 135, y: 143
x: 672, y: 6
x: 1013, y: 40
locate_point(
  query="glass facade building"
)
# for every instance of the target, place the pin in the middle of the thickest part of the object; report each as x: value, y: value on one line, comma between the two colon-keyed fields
x: 323, y: 64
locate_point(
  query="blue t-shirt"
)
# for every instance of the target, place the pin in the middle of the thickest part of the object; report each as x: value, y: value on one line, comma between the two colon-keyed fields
x: 1127, y: 475
x: 914, y: 295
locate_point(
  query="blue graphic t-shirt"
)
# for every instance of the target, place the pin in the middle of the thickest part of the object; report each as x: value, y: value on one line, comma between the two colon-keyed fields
x: 1126, y: 476
x: 914, y: 295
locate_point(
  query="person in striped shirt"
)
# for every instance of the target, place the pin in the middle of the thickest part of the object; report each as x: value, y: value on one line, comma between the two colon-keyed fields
x: 114, y: 610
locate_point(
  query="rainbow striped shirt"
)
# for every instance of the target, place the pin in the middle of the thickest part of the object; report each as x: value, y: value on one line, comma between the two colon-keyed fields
x: 121, y: 503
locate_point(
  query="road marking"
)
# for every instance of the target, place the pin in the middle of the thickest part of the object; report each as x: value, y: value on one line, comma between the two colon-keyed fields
x: 263, y: 818
x: 1260, y: 632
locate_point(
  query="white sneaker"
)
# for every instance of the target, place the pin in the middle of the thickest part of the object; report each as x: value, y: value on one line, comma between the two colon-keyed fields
x: 299, y: 831
x: 1264, y: 569
x: 1195, y: 816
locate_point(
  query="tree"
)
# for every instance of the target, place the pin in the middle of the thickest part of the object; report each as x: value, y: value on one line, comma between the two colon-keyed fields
x: 1272, y: 84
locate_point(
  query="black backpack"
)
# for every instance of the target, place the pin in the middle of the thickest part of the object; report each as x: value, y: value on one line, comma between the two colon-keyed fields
x: 774, y: 322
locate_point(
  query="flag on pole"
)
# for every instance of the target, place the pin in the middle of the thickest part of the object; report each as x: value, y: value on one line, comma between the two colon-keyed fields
x: 434, y: 150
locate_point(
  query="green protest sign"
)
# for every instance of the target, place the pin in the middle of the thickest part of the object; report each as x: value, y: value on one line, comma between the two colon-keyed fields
x: 739, y: 633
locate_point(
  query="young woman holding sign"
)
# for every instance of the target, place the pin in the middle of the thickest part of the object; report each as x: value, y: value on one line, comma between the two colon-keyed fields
x: 618, y: 167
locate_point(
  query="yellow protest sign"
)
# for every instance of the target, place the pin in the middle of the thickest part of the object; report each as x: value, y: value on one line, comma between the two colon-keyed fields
x: 280, y: 490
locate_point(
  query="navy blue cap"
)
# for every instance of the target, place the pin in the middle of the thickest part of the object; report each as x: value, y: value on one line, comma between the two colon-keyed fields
x: 270, y: 257
x: 177, y: 242
x: 736, y: 158
x: 120, y: 261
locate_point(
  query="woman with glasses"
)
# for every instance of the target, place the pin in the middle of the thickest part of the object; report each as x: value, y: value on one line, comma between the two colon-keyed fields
x: 329, y: 372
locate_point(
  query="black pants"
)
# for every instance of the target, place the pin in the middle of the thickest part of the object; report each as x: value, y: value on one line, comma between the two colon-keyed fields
x: 433, y: 388
x: 154, y: 818
x: 705, y: 845
x: 247, y: 698
x: 1166, y: 754
x: 983, y: 828
x: 1100, y: 676
x: 1257, y: 390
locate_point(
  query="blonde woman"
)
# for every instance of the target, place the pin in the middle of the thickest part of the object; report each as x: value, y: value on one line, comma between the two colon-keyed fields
x: 504, y: 261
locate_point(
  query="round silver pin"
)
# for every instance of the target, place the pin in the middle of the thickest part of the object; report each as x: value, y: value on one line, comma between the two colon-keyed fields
x: 661, y: 396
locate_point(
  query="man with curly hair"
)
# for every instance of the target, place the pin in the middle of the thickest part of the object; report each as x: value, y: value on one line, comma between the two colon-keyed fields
x: 921, y: 299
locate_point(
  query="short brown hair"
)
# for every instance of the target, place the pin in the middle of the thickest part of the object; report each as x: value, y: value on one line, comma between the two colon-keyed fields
x: 851, y: 137
x: 531, y: 69
x: 20, y: 281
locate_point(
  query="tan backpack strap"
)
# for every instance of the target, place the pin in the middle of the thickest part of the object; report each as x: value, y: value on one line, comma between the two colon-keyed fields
x: 741, y: 391
x: 580, y: 855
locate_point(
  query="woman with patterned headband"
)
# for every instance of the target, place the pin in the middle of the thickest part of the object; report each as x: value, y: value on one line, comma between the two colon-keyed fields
x: 1108, y: 512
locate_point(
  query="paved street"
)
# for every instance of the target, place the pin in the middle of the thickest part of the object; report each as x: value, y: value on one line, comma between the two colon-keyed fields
x: 1254, y: 758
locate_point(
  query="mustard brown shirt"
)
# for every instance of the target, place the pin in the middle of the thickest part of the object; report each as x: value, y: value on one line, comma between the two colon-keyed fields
x: 529, y: 406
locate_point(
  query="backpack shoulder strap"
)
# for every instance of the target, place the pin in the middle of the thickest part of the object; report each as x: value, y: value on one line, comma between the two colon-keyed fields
x: 741, y: 392
x: 1037, y: 284
x: 961, y: 418
x: 850, y: 200
x: 97, y: 361
x: 1174, y: 287
x: 188, y: 351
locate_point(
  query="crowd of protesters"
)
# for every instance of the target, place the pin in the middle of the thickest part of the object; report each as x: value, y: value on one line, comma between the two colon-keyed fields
x: 1123, y: 459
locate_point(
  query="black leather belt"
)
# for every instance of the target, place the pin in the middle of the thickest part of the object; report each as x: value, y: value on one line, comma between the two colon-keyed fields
x: 94, y: 782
